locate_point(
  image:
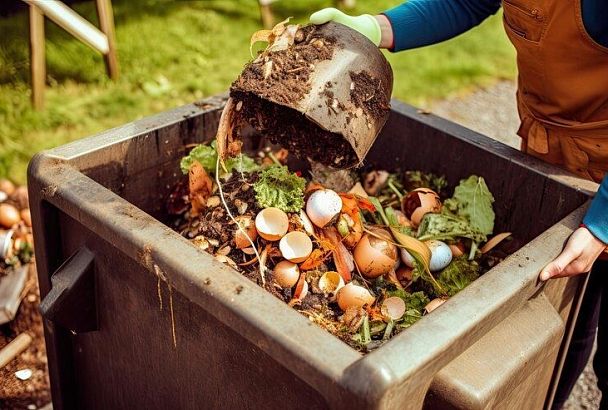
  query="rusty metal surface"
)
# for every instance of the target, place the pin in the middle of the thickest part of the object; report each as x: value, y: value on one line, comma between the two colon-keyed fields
x: 108, y: 186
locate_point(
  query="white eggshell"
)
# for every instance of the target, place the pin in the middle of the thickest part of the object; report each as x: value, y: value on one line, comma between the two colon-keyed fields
x: 296, y: 246
x: 434, y: 304
x: 322, y: 206
x: 286, y: 274
x: 407, y: 259
x: 441, y: 255
x: 272, y: 224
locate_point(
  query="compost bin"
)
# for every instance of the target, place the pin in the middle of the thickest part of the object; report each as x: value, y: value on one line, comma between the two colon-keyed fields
x: 137, y: 317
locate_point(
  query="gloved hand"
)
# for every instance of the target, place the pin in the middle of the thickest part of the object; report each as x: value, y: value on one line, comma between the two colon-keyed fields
x: 365, y: 24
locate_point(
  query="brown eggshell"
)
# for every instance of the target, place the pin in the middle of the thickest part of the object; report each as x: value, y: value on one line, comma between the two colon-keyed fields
x: 418, y: 203
x: 26, y: 216
x: 9, y: 215
x: 20, y: 197
x: 240, y: 238
x: 374, y: 256
x: 353, y: 296
x: 7, y: 186
x: 286, y: 274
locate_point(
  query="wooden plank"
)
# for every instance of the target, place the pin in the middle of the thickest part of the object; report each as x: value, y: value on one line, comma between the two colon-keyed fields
x: 73, y: 23
x: 37, y: 63
x: 106, y: 23
x: 14, y: 348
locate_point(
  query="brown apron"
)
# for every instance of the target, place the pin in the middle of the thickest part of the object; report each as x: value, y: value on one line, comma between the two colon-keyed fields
x: 562, y: 86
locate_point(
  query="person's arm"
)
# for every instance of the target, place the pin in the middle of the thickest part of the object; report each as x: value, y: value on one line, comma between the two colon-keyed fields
x: 418, y: 23
x: 586, y: 243
x: 415, y: 23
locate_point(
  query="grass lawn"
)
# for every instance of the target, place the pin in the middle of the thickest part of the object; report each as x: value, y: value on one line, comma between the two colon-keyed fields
x: 174, y: 52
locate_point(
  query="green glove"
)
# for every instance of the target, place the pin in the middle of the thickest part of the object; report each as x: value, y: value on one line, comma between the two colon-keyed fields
x: 365, y: 24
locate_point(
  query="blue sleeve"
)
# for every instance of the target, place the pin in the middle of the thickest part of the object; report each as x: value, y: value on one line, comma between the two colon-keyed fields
x: 596, y: 218
x: 418, y: 23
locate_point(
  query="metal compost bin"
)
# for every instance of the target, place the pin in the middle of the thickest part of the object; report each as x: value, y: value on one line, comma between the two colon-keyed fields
x: 137, y: 317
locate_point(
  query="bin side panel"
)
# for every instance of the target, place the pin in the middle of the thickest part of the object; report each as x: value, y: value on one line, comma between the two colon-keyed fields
x: 132, y: 362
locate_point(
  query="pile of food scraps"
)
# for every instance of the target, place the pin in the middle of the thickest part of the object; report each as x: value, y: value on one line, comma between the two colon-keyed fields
x: 16, y: 240
x: 362, y: 254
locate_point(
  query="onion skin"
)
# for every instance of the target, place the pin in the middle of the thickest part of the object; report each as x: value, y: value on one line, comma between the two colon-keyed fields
x: 420, y: 202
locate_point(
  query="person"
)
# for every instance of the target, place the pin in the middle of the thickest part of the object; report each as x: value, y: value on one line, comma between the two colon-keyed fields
x: 562, y: 59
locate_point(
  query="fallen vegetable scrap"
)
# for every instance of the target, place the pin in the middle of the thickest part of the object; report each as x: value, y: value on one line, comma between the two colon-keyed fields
x: 364, y: 263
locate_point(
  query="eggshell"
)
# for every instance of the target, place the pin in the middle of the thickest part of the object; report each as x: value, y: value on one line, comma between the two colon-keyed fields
x: 9, y: 215
x: 296, y: 246
x: 418, y: 203
x: 330, y: 282
x: 7, y: 186
x: 272, y: 223
x: 441, y: 255
x: 286, y: 274
x: 247, y: 225
x: 352, y: 295
x: 26, y: 216
x: 322, y: 207
x: 434, y: 304
x: 393, y: 307
x: 374, y: 256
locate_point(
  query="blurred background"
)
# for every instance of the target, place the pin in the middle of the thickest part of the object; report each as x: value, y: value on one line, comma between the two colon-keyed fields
x: 175, y: 52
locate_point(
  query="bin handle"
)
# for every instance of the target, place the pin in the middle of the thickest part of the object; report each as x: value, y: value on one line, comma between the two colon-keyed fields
x: 71, y: 301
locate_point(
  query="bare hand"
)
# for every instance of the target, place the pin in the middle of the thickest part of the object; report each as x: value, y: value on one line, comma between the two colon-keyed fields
x: 578, y: 256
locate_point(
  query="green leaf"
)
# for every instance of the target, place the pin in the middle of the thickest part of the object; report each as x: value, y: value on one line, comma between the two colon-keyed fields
x: 458, y: 275
x: 474, y: 203
x: 446, y: 227
x: 206, y: 154
x: 280, y: 188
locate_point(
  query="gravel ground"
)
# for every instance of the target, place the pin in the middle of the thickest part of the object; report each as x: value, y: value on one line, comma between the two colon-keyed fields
x: 493, y: 112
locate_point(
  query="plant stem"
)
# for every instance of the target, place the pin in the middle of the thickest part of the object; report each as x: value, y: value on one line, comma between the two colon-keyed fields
x: 473, y: 250
x: 273, y: 158
x: 395, y: 190
x: 389, y: 329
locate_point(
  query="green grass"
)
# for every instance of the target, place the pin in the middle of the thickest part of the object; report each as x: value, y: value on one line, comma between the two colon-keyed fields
x: 174, y: 52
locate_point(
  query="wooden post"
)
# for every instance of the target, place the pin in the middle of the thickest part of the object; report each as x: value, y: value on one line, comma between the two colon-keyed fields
x: 37, y: 61
x: 106, y: 24
x: 346, y: 4
x: 266, y: 13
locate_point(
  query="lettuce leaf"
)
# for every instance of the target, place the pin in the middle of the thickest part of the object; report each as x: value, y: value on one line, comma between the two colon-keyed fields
x: 206, y: 155
x: 458, y: 275
x: 446, y: 227
x: 280, y: 188
x: 472, y: 201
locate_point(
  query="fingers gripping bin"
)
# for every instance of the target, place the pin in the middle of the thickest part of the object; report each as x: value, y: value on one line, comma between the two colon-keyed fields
x: 137, y: 317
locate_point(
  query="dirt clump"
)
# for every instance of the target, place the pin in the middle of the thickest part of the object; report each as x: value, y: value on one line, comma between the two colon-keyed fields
x: 292, y: 130
x: 283, y: 76
x: 366, y: 94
